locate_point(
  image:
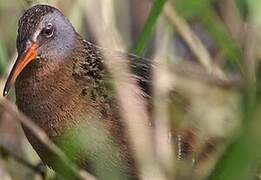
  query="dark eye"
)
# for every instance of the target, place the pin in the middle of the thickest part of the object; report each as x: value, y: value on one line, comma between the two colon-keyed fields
x: 48, y: 30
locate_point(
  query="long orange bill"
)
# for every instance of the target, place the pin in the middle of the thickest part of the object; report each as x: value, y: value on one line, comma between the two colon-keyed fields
x: 27, y: 56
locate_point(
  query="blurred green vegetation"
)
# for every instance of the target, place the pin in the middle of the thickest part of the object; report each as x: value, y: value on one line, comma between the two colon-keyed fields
x: 149, y: 27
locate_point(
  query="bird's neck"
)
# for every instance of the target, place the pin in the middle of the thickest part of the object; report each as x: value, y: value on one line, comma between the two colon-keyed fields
x: 48, y: 93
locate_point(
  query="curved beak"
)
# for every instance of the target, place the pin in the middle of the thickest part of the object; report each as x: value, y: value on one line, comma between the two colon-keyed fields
x: 22, y: 61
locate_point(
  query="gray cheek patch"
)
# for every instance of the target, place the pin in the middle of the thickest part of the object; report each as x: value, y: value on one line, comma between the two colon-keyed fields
x: 63, y: 42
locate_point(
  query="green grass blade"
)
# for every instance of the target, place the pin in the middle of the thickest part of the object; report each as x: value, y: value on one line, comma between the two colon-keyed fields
x: 240, y: 161
x: 203, y: 12
x: 243, y: 157
x: 149, y: 26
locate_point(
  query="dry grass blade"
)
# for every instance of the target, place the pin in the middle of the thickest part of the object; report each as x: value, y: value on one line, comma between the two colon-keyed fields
x: 3, y: 174
x: 21, y: 160
x: 192, y: 41
x: 132, y: 105
x: 162, y: 87
x: 231, y: 16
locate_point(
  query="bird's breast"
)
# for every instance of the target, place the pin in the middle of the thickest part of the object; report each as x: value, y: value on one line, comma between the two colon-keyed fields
x: 50, y: 98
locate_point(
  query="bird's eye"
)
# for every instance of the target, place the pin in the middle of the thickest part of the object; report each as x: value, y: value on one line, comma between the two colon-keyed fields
x: 48, y: 30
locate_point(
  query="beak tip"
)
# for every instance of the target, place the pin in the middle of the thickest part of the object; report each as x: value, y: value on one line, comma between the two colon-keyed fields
x: 26, y: 57
x: 6, y: 90
x: 5, y: 93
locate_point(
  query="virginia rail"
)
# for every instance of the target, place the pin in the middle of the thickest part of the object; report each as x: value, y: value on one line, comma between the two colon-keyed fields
x: 61, y: 81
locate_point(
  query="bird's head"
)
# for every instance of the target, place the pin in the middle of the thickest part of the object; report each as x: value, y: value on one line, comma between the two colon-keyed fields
x: 45, y: 34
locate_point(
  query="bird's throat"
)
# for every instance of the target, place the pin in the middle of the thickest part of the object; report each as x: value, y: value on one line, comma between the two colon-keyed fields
x: 48, y: 95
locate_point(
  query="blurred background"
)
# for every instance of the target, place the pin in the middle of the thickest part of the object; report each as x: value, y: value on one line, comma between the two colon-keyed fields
x: 210, y: 100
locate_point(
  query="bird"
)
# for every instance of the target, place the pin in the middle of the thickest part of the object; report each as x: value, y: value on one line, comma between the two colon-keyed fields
x: 62, y: 83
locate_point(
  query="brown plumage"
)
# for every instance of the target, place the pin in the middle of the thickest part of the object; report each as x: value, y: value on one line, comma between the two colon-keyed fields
x: 63, y: 86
